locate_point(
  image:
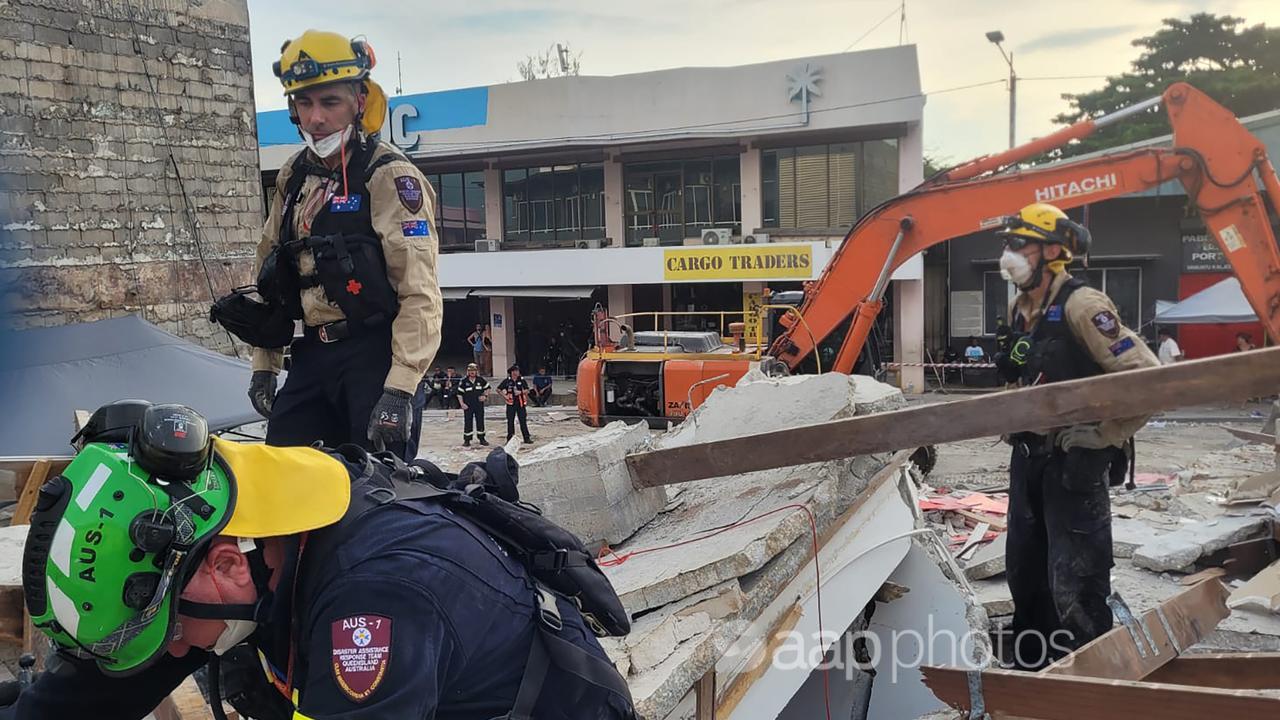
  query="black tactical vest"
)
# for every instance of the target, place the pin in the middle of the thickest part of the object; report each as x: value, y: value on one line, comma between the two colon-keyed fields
x: 349, y: 263
x: 1055, y: 353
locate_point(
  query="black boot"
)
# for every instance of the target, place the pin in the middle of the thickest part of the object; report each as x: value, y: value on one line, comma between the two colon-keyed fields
x: 466, y: 440
x: 482, y: 440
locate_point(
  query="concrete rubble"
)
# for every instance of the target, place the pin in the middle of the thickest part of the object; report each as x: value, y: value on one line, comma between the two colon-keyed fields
x: 720, y: 602
x: 1180, y: 549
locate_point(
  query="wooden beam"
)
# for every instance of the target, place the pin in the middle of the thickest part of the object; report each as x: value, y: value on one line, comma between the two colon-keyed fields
x: 705, y: 696
x: 30, y: 491
x: 1060, y: 697
x: 1119, y: 655
x: 1125, y: 394
x: 1229, y: 671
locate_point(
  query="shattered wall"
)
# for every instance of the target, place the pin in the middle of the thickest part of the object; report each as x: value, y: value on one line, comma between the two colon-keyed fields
x: 99, y: 101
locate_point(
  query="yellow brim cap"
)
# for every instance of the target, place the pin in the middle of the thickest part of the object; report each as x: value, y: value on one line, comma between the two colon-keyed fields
x: 283, y: 490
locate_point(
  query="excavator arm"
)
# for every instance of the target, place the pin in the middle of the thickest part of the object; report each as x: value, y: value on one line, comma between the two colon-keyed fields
x: 1217, y: 161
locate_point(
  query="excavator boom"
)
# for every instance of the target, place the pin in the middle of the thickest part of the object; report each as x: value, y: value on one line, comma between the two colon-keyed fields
x: 1218, y: 162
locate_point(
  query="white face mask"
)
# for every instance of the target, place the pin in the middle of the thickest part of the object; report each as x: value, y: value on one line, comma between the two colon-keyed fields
x: 1015, y: 268
x: 237, y: 631
x: 329, y: 144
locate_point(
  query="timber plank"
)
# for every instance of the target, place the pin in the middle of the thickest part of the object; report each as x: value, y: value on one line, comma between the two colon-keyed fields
x: 1061, y: 697
x: 30, y: 490
x: 1229, y: 671
x: 1115, y: 655
x: 1104, y: 397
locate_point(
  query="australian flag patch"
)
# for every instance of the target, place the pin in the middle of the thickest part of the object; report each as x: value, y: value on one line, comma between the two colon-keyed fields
x: 1054, y: 313
x: 344, y: 203
x: 415, y: 228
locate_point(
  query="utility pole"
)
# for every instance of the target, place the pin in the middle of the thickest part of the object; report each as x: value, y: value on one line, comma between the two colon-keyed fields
x: 997, y: 37
x: 399, y: 76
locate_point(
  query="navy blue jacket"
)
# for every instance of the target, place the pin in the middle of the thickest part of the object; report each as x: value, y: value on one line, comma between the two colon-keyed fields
x: 454, y: 619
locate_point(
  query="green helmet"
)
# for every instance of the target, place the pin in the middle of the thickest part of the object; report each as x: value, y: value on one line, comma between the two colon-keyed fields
x: 112, y: 544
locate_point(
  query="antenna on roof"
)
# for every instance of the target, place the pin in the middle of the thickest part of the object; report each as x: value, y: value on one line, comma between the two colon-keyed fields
x: 399, y: 75
x: 563, y: 54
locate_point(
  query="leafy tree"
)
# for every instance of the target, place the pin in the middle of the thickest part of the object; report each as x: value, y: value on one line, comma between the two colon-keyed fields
x: 1236, y: 65
x: 556, y: 61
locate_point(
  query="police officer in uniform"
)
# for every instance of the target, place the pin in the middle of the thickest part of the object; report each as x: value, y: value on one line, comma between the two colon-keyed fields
x: 335, y: 602
x: 1059, y: 550
x: 471, y: 392
x: 515, y: 390
x: 349, y: 248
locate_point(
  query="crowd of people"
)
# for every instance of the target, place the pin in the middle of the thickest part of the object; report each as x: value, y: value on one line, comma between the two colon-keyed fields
x: 470, y: 392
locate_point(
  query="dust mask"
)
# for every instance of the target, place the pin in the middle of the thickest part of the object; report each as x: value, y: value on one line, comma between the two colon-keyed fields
x: 1015, y: 268
x: 329, y: 144
x: 237, y: 631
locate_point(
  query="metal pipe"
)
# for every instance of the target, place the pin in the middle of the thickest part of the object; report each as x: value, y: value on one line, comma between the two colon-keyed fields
x: 882, y: 282
x: 1123, y: 113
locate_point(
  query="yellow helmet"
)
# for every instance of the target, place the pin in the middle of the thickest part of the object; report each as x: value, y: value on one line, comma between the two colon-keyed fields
x: 318, y: 58
x: 1045, y: 223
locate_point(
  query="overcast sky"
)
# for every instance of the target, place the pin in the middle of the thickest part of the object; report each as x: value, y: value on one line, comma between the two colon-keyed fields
x: 462, y: 44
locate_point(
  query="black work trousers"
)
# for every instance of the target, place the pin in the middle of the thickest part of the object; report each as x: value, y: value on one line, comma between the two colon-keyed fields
x: 516, y: 410
x: 330, y: 391
x: 1058, y: 557
x: 473, y: 416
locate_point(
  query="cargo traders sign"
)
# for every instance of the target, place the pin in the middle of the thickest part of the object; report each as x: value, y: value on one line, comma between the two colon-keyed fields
x: 738, y: 262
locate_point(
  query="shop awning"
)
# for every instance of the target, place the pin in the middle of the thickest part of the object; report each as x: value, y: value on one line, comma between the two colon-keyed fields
x: 571, y: 291
x: 455, y: 293
x: 1222, y: 302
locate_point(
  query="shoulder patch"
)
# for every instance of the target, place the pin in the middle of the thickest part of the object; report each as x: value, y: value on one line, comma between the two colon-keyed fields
x: 361, y: 647
x: 409, y: 190
x: 415, y: 228
x: 1054, y: 313
x: 1107, y: 323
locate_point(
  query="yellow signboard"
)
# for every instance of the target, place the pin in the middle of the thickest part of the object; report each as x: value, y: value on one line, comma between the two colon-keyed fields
x: 740, y: 262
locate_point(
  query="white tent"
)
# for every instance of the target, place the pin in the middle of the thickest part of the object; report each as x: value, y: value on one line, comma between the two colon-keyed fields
x: 1222, y: 302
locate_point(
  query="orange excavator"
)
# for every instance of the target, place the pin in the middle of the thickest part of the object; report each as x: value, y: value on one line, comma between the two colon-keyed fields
x: 661, y: 376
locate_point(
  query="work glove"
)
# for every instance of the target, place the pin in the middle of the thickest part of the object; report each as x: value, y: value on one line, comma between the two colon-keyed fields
x: 262, y: 391
x: 1086, y: 437
x: 390, y: 421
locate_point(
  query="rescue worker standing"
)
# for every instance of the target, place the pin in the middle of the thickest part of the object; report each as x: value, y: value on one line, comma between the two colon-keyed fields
x: 515, y: 390
x: 1059, y: 554
x: 308, y: 593
x: 471, y: 392
x: 349, y: 248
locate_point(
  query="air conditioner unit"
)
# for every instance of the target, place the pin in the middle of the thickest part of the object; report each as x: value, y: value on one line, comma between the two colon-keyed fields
x: 735, y: 239
x: 651, y: 242
x: 755, y: 239
x: 486, y: 245
x: 715, y: 236
x: 589, y: 244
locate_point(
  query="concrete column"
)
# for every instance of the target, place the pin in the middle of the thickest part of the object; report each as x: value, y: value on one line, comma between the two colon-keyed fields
x: 614, y: 195
x: 752, y: 196
x: 494, y: 213
x: 908, y: 331
x: 502, y: 324
x: 908, y: 295
x: 620, y: 302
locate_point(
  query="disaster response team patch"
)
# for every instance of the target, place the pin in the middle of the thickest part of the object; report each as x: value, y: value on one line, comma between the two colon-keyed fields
x: 409, y: 189
x: 1107, y: 323
x: 361, y: 651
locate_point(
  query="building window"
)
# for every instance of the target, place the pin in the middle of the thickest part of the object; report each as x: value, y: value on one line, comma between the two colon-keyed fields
x: 827, y: 186
x: 1122, y: 285
x: 553, y: 206
x: 459, y: 209
x: 676, y: 200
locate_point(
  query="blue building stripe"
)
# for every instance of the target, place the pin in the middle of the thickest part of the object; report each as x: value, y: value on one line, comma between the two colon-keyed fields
x: 444, y: 110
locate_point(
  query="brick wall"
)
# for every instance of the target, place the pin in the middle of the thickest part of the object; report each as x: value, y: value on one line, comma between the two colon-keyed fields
x: 99, y: 100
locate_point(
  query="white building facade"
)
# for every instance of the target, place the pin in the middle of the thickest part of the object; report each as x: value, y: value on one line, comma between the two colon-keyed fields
x: 675, y: 190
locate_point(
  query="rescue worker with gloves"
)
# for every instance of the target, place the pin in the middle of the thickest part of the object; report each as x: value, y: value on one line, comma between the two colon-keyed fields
x: 1059, y: 551
x: 316, y: 584
x: 350, y: 249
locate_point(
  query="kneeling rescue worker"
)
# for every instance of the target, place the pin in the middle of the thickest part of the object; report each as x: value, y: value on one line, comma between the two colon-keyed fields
x: 1059, y: 550
x: 350, y: 249
x: 316, y: 584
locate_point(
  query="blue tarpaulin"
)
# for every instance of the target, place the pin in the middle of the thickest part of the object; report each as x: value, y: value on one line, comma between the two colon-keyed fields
x: 46, y: 374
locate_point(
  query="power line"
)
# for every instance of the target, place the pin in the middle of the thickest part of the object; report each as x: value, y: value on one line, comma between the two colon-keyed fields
x: 1064, y: 77
x: 883, y: 20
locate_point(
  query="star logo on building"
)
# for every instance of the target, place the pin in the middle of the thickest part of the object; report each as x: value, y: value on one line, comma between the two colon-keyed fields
x: 802, y: 82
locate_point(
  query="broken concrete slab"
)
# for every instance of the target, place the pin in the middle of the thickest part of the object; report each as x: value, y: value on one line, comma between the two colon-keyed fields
x: 583, y: 484
x: 1179, y: 550
x: 995, y: 596
x: 1255, y: 489
x: 1261, y: 592
x: 988, y: 561
x: 1127, y: 535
